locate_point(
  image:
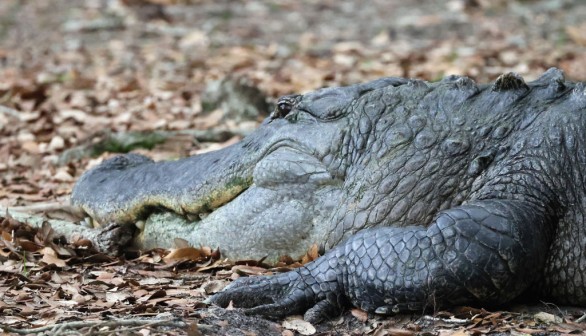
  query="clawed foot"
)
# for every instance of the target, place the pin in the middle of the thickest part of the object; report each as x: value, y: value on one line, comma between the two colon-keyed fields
x: 281, y: 295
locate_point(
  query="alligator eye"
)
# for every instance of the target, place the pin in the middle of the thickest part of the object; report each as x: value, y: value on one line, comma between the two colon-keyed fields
x: 283, y: 108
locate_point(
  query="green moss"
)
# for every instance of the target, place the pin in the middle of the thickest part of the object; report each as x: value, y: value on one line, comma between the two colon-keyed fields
x: 124, y: 143
x: 208, y: 106
x: 239, y: 182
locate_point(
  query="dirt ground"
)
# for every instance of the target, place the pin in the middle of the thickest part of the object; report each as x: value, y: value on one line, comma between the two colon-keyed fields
x: 72, y: 73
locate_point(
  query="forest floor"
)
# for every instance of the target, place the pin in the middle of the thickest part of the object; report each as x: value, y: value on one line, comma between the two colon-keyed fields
x: 73, y: 73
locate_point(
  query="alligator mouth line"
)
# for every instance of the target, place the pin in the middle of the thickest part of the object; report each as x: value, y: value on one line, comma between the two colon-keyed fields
x: 235, y: 187
x: 218, y: 198
x: 212, y: 200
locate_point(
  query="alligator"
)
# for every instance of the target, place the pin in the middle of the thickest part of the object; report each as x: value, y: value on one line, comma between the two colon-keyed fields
x: 421, y: 194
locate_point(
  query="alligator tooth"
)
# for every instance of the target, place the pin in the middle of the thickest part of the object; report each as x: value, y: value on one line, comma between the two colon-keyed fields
x: 94, y: 223
x: 86, y: 222
x: 509, y: 82
x: 140, y: 224
x: 192, y: 217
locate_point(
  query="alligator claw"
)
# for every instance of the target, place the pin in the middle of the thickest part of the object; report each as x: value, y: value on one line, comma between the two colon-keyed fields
x: 239, y: 292
x: 271, y: 296
x: 331, y: 306
x: 281, y: 295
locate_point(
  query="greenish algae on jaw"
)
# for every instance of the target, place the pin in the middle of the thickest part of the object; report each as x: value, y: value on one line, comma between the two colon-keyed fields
x: 216, y: 197
x: 207, y: 203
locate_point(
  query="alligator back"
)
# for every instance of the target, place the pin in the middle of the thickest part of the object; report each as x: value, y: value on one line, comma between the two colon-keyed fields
x: 418, y: 148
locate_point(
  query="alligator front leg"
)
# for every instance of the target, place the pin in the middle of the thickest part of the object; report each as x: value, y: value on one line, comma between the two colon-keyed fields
x: 485, y: 252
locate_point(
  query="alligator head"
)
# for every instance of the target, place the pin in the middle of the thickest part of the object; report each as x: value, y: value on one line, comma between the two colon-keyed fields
x: 265, y: 196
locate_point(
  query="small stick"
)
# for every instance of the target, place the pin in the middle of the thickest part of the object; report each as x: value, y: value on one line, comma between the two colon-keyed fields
x: 96, y: 324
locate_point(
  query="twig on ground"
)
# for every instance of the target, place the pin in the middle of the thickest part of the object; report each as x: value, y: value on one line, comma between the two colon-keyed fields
x: 47, y: 206
x: 451, y: 320
x: 10, y: 111
x: 581, y: 319
x: 61, y: 327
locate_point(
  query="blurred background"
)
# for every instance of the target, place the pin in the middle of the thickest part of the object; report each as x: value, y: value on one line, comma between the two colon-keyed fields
x: 82, y: 79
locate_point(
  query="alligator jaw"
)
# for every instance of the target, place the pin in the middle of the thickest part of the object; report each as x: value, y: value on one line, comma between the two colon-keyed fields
x: 128, y: 188
x: 292, y: 190
x: 211, y: 200
x: 214, y: 198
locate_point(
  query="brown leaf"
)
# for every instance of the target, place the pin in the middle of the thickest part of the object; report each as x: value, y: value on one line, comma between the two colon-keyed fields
x: 192, y: 329
x: 82, y: 243
x: 249, y: 270
x: 157, y: 294
x: 525, y: 331
x: 154, y: 281
x: 6, y: 236
x: 360, y: 314
x: 214, y: 286
x: 29, y: 246
x: 285, y: 260
x: 311, y: 254
x: 400, y: 332
x: 155, y: 274
x: 218, y: 264
x: 299, y: 325
x: 189, y: 253
x: 45, y: 234
x: 50, y: 257
x: 468, y: 312
x: 114, y: 297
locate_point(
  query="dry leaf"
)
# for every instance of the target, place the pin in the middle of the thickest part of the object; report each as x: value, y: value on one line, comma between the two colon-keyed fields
x: 360, y: 314
x: 311, y: 255
x: 297, y: 324
x: 6, y: 236
x: 214, y: 286
x: 189, y: 253
x: 249, y: 270
x: 547, y: 318
x: 50, y: 257
x: 399, y: 332
x: 118, y: 296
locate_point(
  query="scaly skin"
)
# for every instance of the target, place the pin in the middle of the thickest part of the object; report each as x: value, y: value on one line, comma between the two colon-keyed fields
x: 458, y: 194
